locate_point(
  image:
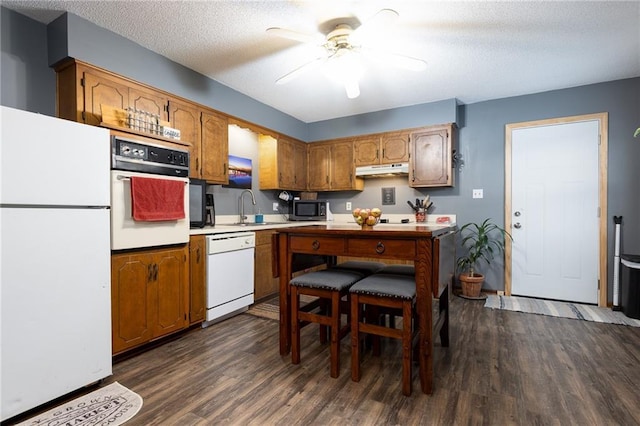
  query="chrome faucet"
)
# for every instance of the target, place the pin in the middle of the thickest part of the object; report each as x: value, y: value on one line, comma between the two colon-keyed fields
x: 241, y: 204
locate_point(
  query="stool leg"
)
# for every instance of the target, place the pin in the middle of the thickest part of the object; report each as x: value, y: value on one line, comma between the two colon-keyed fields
x: 355, y: 338
x: 324, y: 310
x: 295, y: 326
x: 406, y: 348
x: 335, y: 334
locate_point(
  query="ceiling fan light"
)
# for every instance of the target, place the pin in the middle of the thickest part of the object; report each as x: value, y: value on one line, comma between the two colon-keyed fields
x: 352, y: 88
x: 344, y: 66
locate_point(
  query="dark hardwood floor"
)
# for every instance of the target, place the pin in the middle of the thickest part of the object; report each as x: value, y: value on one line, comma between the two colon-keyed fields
x: 501, y: 368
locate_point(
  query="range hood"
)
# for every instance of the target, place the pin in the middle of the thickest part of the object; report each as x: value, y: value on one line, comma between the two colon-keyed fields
x: 383, y: 170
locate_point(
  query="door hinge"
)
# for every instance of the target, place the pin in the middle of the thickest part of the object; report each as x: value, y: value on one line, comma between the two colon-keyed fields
x: 84, y: 118
x: 82, y: 82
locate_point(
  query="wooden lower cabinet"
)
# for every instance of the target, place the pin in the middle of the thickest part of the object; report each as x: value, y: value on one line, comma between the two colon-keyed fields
x: 197, y: 279
x: 149, y: 295
x: 264, y: 282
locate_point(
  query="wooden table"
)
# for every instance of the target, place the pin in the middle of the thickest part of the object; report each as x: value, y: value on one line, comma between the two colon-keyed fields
x: 431, y: 248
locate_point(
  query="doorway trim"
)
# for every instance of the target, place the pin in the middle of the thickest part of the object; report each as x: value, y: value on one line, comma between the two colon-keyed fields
x: 603, y: 122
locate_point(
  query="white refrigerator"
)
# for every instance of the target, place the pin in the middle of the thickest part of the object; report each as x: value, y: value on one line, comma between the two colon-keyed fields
x: 55, y: 273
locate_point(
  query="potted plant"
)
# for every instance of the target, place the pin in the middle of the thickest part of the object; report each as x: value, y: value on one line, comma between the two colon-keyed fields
x: 482, y: 242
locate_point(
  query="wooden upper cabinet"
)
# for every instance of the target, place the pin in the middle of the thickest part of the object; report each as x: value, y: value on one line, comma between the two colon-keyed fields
x: 215, y: 148
x: 331, y: 167
x: 101, y: 88
x: 318, y: 173
x: 300, y: 165
x: 342, y: 170
x: 383, y: 148
x: 149, y: 101
x: 431, y: 157
x: 186, y: 118
x: 394, y: 147
x: 366, y: 150
x: 282, y: 162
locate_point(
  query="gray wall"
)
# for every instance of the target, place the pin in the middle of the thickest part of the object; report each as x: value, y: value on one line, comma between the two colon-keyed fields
x: 28, y: 83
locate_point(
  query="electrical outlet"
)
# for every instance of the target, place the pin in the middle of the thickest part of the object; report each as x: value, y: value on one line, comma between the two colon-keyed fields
x: 275, y: 207
x: 478, y: 193
x: 500, y: 293
x: 348, y: 206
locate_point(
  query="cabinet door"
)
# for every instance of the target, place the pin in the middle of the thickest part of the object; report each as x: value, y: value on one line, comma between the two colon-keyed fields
x: 367, y: 151
x: 101, y: 89
x: 170, y: 283
x: 342, y: 171
x: 319, y: 158
x: 186, y: 118
x: 300, y: 166
x: 197, y: 279
x: 215, y: 148
x: 286, y: 163
x: 146, y: 100
x: 394, y: 147
x: 131, y: 299
x: 430, y: 162
x: 265, y: 283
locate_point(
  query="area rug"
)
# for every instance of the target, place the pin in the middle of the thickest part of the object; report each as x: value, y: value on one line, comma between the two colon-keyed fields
x: 111, y: 405
x: 271, y: 308
x: 559, y: 309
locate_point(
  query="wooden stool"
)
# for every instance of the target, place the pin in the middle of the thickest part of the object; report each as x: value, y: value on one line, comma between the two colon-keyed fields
x: 384, y: 291
x: 329, y: 285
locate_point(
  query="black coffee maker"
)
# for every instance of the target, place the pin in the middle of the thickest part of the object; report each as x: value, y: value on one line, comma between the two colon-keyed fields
x: 211, y: 210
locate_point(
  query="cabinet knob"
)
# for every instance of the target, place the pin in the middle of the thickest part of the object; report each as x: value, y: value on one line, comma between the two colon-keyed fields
x: 315, y: 244
x: 380, y: 248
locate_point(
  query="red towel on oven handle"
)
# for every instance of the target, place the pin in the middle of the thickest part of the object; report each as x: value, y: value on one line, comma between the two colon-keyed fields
x: 154, y: 200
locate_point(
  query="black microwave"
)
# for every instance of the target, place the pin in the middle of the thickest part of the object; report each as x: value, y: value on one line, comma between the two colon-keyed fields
x: 308, y: 210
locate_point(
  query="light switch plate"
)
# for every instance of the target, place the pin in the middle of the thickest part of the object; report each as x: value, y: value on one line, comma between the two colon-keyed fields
x: 275, y: 207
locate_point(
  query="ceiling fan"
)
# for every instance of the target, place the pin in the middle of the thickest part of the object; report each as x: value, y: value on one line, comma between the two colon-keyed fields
x: 342, y: 46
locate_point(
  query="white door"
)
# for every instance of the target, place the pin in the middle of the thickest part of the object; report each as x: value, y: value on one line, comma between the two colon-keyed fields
x: 555, y: 211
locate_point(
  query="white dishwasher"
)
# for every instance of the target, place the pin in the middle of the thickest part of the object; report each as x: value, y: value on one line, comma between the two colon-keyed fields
x: 230, y: 260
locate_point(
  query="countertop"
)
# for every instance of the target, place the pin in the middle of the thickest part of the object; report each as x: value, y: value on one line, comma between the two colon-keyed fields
x: 226, y: 224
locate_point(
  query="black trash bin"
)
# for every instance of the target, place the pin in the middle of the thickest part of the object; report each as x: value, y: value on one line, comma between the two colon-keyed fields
x: 630, y: 285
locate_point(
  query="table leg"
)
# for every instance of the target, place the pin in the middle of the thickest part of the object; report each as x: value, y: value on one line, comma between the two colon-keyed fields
x: 424, y: 302
x: 284, y: 267
x: 444, y: 307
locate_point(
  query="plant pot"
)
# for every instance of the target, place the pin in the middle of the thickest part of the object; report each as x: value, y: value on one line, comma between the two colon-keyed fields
x: 471, y: 284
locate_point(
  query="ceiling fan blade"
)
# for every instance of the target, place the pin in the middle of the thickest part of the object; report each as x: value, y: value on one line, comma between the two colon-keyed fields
x: 381, y: 19
x: 301, y: 70
x: 295, y: 35
x: 395, y: 59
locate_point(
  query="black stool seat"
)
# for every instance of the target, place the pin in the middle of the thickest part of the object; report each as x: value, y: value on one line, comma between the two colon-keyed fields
x: 364, y: 267
x: 327, y: 279
x: 386, y: 285
x: 330, y: 286
x: 399, y: 270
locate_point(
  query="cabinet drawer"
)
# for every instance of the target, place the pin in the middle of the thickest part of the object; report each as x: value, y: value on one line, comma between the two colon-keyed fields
x: 318, y: 245
x: 388, y: 248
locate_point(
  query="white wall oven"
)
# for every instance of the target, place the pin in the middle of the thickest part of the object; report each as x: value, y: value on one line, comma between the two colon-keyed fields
x: 149, y: 194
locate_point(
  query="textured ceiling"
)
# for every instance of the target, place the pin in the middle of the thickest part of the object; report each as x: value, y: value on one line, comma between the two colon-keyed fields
x: 475, y: 51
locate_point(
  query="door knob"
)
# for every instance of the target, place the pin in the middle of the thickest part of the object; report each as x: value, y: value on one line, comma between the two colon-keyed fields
x: 517, y: 225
